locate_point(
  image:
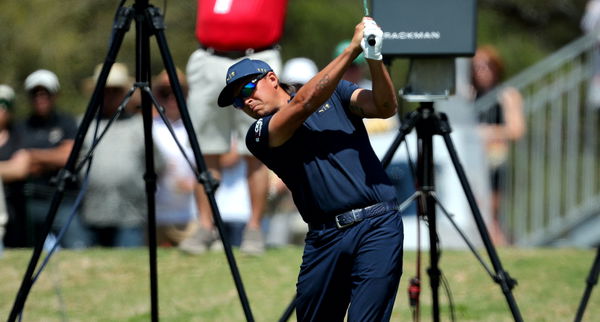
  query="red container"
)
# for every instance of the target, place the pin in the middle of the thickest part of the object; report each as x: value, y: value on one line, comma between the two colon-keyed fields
x: 229, y: 25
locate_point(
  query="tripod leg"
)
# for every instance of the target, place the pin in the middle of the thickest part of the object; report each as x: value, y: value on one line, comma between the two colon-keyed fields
x: 405, y: 128
x: 120, y: 26
x: 502, y: 277
x: 591, y: 281
x: 143, y: 75
x: 433, y: 271
x: 289, y: 310
x: 462, y: 234
x: 205, y: 177
x: 426, y: 205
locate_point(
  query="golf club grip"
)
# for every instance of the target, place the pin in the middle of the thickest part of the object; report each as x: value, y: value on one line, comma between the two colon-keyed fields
x: 371, y: 40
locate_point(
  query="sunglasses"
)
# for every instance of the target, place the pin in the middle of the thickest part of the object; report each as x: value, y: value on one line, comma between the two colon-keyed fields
x: 246, y: 91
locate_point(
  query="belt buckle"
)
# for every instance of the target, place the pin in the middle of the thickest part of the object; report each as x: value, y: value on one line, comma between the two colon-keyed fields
x: 340, y: 225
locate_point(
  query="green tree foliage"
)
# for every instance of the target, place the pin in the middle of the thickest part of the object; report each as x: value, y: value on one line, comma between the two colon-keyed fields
x: 71, y: 36
x: 526, y: 31
x: 314, y: 28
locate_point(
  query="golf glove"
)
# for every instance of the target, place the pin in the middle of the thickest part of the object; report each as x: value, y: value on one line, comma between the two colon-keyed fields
x: 372, y: 32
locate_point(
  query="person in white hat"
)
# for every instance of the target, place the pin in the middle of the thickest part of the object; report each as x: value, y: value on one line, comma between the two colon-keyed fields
x: 42, y: 87
x: 14, y: 167
x: 298, y: 70
x: 114, y: 207
x: 47, y: 135
x: 117, y: 84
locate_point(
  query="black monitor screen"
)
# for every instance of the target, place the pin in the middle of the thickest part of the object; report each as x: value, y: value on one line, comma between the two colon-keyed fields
x: 426, y: 27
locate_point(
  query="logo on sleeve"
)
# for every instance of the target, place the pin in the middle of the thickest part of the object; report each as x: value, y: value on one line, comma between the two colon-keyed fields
x: 55, y: 135
x: 257, y: 128
x: 324, y: 108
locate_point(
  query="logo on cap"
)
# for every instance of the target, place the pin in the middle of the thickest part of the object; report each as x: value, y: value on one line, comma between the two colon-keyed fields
x: 230, y: 76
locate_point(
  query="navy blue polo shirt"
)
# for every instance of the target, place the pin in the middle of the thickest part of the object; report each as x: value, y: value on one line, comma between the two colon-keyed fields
x: 328, y: 164
x: 45, y: 133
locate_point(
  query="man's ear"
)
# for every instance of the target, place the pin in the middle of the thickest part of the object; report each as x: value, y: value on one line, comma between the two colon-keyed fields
x: 273, y: 79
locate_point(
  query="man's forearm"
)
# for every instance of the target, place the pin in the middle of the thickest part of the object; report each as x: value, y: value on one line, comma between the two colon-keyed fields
x: 384, y: 94
x: 319, y: 88
x: 53, y: 158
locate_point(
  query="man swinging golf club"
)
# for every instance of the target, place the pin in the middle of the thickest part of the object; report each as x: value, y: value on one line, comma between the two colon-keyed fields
x: 315, y: 141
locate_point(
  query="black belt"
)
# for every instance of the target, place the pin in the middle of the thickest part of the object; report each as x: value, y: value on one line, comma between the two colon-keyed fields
x: 234, y: 54
x: 353, y: 216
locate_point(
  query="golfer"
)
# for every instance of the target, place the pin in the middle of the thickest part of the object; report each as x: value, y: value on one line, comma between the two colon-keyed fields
x: 315, y: 141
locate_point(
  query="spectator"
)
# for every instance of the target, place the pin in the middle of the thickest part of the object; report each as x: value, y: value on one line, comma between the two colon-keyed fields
x: 228, y: 32
x: 14, y: 168
x: 175, y: 201
x: 233, y: 196
x: 47, y: 136
x: 114, y: 206
x: 298, y: 71
x: 176, y: 208
x: 7, y: 140
x: 3, y: 219
x: 590, y: 23
x: 499, y: 125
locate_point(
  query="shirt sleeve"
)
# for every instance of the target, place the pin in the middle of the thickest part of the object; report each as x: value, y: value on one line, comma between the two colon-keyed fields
x: 345, y: 90
x: 257, y: 138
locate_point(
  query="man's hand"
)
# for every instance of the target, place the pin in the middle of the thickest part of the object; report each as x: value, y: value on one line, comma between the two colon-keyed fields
x: 372, y: 32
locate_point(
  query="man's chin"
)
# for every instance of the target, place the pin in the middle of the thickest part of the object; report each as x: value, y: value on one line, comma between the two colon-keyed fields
x: 265, y: 113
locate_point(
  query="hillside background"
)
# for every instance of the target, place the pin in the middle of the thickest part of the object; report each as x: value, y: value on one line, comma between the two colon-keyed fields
x: 70, y: 36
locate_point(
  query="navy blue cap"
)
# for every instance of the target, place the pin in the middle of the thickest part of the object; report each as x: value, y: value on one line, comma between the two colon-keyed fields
x: 243, y: 68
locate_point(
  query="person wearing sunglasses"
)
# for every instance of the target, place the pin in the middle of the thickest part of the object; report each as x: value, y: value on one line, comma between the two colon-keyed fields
x: 315, y: 141
x: 246, y: 91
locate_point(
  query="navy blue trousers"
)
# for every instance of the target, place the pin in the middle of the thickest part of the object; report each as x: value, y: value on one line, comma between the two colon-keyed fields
x: 355, y: 270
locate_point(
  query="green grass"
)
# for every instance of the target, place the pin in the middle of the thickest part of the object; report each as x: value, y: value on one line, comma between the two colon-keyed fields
x: 113, y: 285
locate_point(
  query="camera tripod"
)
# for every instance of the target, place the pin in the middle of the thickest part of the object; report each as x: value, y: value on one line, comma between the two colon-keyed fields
x: 428, y: 123
x: 591, y: 280
x: 149, y: 22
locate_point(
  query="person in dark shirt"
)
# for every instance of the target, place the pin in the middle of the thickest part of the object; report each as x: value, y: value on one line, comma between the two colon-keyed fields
x: 13, y: 170
x: 47, y: 136
x: 315, y: 141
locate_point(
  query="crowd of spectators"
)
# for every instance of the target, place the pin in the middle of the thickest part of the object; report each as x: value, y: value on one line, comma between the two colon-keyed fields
x: 113, y: 210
